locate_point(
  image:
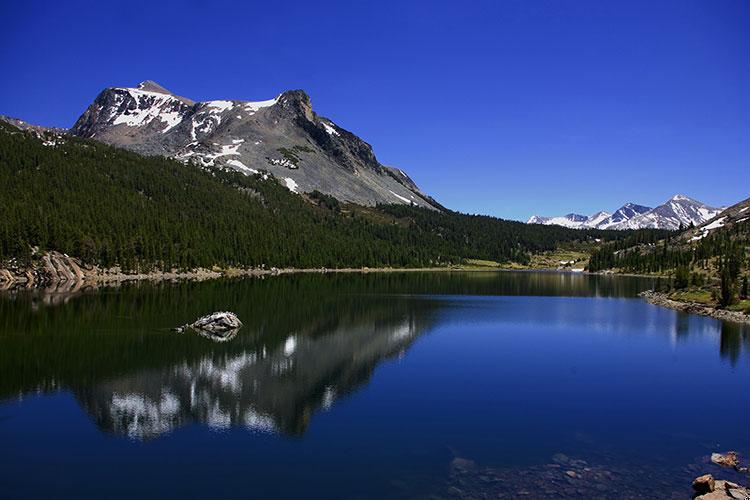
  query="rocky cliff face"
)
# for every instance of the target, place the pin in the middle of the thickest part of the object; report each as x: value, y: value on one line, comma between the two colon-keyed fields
x: 283, y: 136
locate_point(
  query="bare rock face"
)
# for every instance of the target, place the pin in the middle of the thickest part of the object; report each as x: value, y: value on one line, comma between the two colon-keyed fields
x: 723, y: 490
x: 704, y: 484
x: 282, y: 136
x: 47, y: 268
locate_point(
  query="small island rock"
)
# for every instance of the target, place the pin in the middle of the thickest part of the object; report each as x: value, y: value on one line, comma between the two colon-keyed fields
x: 215, y: 323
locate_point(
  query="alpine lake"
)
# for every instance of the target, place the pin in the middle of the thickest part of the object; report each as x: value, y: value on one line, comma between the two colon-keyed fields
x: 396, y: 385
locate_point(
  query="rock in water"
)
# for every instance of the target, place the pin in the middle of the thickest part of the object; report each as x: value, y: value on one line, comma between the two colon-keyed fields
x: 218, y: 322
x: 728, y: 459
x: 725, y: 490
x: 704, y: 484
x: 215, y: 323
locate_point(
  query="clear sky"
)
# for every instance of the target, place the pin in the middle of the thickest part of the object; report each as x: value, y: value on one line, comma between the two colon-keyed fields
x: 499, y: 107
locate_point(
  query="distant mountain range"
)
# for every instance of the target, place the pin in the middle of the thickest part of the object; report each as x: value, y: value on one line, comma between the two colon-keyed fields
x: 678, y: 211
x: 282, y: 136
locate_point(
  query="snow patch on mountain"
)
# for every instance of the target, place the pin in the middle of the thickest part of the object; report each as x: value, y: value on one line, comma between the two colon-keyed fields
x: 291, y: 185
x: 405, y: 200
x: 330, y: 129
x: 252, y: 107
x: 143, y: 107
x: 238, y: 165
x: 220, y: 106
x: 570, y: 220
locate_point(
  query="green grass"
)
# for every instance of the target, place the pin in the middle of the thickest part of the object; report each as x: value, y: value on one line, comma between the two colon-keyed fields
x: 700, y: 296
x: 289, y: 155
x: 741, y: 306
x: 481, y: 264
x: 551, y: 260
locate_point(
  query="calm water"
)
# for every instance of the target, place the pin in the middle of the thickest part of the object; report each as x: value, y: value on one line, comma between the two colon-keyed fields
x: 346, y: 386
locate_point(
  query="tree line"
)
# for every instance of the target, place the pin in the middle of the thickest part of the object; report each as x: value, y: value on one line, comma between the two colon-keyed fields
x: 720, y: 256
x: 108, y: 206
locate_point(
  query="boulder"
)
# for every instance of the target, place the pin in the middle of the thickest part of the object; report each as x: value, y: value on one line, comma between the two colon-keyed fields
x: 728, y: 459
x: 704, y: 484
x: 725, y: 490
x: 217, y: 322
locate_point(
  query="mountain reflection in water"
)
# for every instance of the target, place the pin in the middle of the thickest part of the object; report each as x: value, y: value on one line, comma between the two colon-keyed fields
x: 267, y: 388
x: 307, y: 341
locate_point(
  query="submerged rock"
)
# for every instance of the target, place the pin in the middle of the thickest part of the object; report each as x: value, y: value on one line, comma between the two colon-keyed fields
x: 728, y: 459
x: 218, y: 322
x: 463, y: 464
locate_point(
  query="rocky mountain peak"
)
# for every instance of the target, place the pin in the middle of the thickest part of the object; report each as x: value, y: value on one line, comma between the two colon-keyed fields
x: 282, y: 136
x: 152, y: 86
x: 576, y: 217
x: 297, y: 101
x: 682, y: 197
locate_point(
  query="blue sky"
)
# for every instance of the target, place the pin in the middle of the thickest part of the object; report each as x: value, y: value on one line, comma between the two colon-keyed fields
x: 505, y: 108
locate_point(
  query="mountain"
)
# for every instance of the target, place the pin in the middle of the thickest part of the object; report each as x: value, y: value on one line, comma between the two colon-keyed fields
x: 710, y: 260
x: 107, y: 207
x: 38, y: 130
x: 623, y: 214
x: 599, y: 220
x: 680, y: 210
x: 282, y: 136
x: 736, y: 215
x: 570, y: 220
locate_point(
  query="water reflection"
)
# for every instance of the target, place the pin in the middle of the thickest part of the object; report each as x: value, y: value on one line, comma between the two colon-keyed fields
x: 268, y: 388
x: 307, y: 342
x: 223, y: 336
x: 734, y: 339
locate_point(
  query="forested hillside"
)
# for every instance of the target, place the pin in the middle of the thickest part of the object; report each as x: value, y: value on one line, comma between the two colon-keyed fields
x: 710, y: 260
x: 112, y: 207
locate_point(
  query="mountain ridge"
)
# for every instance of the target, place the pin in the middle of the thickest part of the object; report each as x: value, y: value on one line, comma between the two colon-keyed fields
x: 283, y: 136
x: 679, y: 211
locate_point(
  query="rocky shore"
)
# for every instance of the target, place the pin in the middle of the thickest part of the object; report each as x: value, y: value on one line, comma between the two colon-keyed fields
x: 662, y: 299
x: 54, y: 270
x: 573, y: 477
x: 57, y: 271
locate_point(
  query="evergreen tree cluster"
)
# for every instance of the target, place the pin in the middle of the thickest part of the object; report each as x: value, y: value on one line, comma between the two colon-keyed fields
x: 108, y: 206
x: 672, y: 252
x: 721, y: 254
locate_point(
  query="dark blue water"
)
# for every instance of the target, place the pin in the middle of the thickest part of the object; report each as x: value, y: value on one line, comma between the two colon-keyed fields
x: 460, y: 385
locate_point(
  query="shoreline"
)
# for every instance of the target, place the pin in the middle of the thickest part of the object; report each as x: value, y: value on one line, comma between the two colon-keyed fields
x: 663, y: 300
x: 57, y: 270
x: 10, y: 280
